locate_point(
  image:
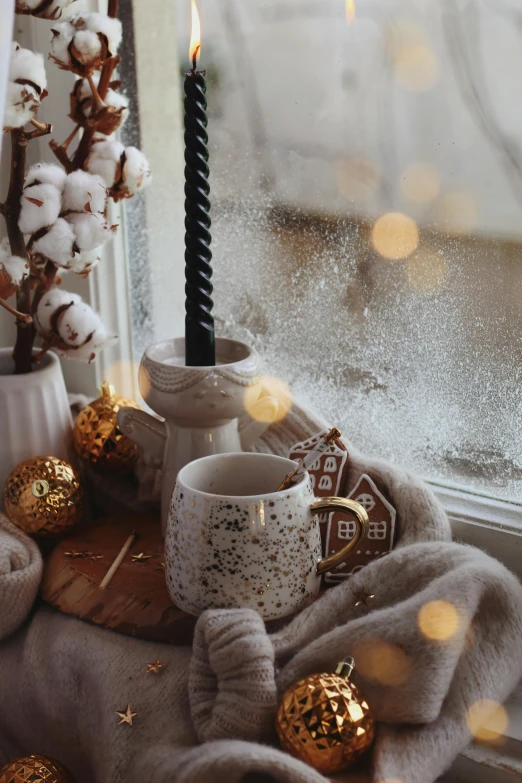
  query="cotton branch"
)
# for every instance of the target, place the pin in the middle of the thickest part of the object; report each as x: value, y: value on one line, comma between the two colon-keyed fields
x: 25, y: 335
x: 23, y: 317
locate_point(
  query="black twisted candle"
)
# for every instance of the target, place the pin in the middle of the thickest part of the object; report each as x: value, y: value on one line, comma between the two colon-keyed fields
x: 199, y: 322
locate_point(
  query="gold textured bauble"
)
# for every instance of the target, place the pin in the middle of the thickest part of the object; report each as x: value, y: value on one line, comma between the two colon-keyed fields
x: 98, y: 440
x: 34, y: 769
x: 325, y: 721
x: 44, y: 496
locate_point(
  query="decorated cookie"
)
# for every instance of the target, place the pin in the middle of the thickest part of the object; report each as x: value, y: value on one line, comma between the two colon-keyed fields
x: 328, y: 473
x: 381, y: 537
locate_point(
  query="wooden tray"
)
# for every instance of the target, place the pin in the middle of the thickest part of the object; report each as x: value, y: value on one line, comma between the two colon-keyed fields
x: 136, y: 601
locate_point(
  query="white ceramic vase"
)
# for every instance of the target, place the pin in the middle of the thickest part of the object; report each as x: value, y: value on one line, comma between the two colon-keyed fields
x: 35, y: 418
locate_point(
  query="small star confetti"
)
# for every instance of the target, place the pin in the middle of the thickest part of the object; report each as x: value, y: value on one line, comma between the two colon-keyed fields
x: 74, y: 553
x: 363, y: 598
x: 141, y: 557
x: 161, y: 567
x: 155, y: 667
x: 127, y: 716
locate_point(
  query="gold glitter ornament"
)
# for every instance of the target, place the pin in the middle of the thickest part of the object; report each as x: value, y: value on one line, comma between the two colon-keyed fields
x: 44, y: 496
x: 325, y: 721
x: 98, y: 440
x: 34, y: 769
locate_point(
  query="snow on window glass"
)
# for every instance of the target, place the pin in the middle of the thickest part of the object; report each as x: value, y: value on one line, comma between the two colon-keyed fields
x: 367, y: 217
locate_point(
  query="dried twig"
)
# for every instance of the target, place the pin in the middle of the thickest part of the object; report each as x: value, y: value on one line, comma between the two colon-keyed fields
x: 23, y: 317
x: 45, y: 130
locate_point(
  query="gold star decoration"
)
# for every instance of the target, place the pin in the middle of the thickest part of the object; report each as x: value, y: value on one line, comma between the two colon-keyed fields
x: 127, y: 716
x: 74, y: 553
x: 140, y: 558
x: 363, y: 598
x: 155, y: 666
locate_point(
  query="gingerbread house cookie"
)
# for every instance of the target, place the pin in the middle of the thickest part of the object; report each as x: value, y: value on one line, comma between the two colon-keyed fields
x: 380, y: 539
x: 328, y: 473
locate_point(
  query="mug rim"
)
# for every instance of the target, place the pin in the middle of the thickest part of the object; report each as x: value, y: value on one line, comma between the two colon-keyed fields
x: 248, y: 455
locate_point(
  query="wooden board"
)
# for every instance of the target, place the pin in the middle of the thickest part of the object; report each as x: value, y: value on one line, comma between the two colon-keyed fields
x: 136, y: 601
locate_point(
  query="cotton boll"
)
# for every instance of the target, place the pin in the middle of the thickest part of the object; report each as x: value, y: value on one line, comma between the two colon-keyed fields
x: 83, y: 45
x: 57, y: 244
x: 81, y: 189
x: 25, y: 86
x: 12, y: 270
x: 105, y: 160
x: 82, y: 88
x: 41, y: 205
x: 43, y: 9
x: 107, y: 26
x: 21, y: 105
x: 119, y: 102
x: 28, y: 66
x: 135, y: 175
x: 90, y: 230
x: 63, y: 34
x: 77, y: 324
x: 84, y: 263
x: 70, y: 325
x: 17, y: 268
x: 87, y: 47
x: 88, y: 351
x: 48, y: 174
x: 49, y: 304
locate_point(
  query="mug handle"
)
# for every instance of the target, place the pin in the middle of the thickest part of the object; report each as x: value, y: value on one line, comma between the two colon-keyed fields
x: 363, y: 527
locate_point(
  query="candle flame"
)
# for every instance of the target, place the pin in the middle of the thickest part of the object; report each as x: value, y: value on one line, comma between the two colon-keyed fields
x: 195, y: 40
x: 350, y: 10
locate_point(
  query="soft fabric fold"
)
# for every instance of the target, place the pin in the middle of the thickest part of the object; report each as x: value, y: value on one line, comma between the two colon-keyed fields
x: 20, y: 574
x: 443, y: 631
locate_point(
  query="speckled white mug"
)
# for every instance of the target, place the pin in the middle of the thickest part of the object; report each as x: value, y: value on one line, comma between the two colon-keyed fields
x: 233, y: 541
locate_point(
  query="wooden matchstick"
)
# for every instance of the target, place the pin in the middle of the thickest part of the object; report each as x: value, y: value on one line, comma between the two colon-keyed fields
x: 114, y: 567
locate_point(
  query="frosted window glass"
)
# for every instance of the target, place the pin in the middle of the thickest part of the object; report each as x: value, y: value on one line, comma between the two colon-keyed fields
x: 403, y: 331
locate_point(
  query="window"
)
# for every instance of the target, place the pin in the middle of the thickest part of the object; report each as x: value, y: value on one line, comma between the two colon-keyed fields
x: 367, y: 191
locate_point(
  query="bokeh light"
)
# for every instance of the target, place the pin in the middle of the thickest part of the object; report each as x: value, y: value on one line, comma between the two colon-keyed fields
x: 269, y: 401
x: 456, y: 214
x: 382, y: 662
x: 426, y: 270
x: 487, y: 720
x: 439, y: 620
x: 420, y: 182
x: 123, y: 375
x: 350, y: 10
x: 358, y: 179
x: 403, y: 33
x: 395, y: 236
x: 416, y: 67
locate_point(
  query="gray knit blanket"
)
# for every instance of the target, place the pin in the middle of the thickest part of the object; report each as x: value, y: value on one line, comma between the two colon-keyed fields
x: 63, y: 681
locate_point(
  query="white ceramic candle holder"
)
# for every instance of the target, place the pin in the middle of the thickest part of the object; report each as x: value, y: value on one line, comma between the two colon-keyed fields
x: 203, y: 408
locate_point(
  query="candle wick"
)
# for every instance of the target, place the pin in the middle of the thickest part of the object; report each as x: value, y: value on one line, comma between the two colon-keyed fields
x: 195, y: 59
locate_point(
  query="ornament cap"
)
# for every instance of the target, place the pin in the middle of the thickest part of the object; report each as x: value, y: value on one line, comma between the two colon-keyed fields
x: 107, y: 390
x: 345, y: 668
